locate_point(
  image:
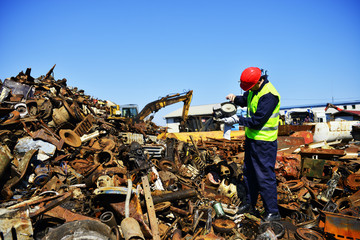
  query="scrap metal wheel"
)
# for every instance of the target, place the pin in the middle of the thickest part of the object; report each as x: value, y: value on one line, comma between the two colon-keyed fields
x: 308, y: 234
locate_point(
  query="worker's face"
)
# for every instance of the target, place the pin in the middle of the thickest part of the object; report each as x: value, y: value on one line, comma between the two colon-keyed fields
x: 257, y: 85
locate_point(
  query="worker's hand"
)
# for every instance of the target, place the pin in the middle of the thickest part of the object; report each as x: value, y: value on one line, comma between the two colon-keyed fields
x: 229, y: 120
x: 231, y: 97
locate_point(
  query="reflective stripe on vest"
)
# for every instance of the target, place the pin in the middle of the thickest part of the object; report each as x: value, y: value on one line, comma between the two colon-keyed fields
x: 270, y: 129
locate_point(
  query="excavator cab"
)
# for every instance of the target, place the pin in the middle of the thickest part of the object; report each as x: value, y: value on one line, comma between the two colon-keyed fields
x: 129, y: 110
x: 123, y: 111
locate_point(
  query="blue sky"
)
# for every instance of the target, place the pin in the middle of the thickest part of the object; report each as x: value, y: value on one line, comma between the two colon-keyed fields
x: 138, y: 51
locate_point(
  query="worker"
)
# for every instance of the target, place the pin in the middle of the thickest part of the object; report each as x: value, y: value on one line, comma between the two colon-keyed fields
x: 261, y: 129
x: 307, y: 119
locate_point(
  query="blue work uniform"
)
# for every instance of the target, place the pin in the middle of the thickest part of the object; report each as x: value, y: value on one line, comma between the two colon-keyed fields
x: 260, y: 156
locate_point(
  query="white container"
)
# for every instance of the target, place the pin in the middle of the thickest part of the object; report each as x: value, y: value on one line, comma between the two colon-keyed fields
x: 333, y: 130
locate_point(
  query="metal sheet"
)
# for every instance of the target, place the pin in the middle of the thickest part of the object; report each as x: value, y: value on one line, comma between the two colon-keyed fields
x: 313, y: 167
x: 342, y: 226
x: 67, y: 215
x: 286, y: 142
x: 15, y: 224
x: 286, y: 130
x: 322, y: 152
x: 316, y: 167
x: 5, y: 159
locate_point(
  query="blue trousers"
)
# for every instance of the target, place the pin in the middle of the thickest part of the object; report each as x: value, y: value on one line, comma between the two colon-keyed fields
x: 259, y: 175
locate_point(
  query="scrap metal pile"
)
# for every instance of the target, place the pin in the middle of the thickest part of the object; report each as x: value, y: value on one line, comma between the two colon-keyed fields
x: 69, y: 172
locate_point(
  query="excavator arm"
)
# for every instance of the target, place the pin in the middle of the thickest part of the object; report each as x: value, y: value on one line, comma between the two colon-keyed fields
x: 166, y: 101
x: 329, y: 105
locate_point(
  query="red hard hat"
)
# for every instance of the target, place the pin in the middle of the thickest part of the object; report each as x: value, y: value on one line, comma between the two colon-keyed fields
x: 249, y: 77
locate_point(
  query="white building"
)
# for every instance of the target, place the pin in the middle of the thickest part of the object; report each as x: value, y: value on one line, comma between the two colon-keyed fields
x: 319, y: 113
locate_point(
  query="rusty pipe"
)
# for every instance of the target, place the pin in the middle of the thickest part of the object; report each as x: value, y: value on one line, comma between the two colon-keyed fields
x: 109, y: 219
x: 179, y: 211
x: 131, y: 229
x: 169, y: 197
x: 130, y: 226
x: 128, y: 197
x: 103, y: 157
x: 51, y: 205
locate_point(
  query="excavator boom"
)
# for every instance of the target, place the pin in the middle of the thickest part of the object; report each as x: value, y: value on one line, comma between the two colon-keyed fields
x: 166, y: 101
x: 329, y: 105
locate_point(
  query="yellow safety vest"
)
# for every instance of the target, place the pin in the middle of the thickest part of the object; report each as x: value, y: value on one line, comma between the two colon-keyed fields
x: 270, y: 129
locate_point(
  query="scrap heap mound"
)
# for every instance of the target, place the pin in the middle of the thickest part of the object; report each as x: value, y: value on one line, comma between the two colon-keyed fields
x: 67, y: 171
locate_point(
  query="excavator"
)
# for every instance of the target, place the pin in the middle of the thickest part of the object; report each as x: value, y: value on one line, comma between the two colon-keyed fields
x: 155, y: 106
x: 130, y: 112
x: 129, y: 115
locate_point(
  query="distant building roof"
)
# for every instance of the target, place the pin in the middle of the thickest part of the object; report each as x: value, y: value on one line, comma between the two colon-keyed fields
x: 193, y: 111
x: 321, y: 105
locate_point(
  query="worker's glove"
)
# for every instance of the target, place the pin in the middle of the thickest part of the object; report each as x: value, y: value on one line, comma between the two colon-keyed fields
x: 229, y: 120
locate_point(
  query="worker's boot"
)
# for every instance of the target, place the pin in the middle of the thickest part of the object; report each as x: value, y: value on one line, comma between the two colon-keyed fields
x: 245, y: 208
x: 268, y: 217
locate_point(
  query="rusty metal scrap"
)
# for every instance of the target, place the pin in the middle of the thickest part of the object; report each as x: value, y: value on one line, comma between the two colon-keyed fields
x: 64, y: 165
x: 322, y: 152
x: 15, y: 224
x: 353, y: 181
x: 342, y: 226
x: 288, y: 165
